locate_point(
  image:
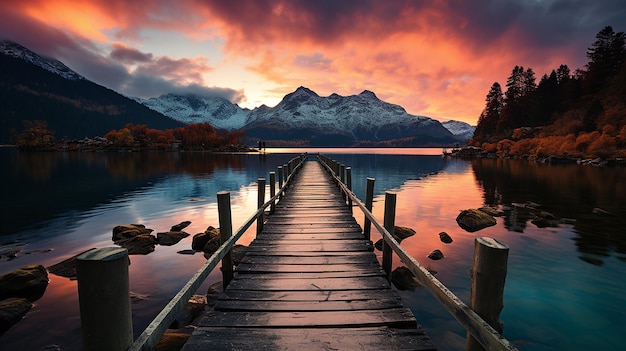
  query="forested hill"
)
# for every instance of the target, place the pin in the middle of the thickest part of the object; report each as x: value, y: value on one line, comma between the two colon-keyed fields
x: 568, y: 114
x: 74, y: 108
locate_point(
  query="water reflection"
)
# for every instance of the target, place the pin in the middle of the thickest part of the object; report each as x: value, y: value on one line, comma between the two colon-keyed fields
x: 572, y: 193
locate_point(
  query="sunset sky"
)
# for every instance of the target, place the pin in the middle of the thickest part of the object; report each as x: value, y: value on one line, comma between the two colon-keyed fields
x: 434, y: 58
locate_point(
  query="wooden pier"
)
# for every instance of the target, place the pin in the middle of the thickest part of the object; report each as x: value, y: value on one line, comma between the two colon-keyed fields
x: 309, y: 281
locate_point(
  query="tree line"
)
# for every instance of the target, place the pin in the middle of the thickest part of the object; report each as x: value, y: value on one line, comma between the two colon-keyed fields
x: 570, y: 114
x: 198, y: 136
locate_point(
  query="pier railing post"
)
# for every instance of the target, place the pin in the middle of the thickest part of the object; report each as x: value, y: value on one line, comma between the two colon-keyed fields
x: 285, y: 172
x: 260, y: 202
x: 349, y: 185
x: 226, y: 231
x: 104, y: 299
x: 272, y: 190
x: 389, y: 224
x: 369, y: 201
x: 488, y: 275
x: 280, y: 177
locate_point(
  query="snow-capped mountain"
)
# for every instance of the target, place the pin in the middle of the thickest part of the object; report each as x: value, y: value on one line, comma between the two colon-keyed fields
x: 16, y: 50
x: 461, y: 130
x: 304, y: 115
x: 217, y: 111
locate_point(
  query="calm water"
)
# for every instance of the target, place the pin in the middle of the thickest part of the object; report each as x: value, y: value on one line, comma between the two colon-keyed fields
x: 565, y: 285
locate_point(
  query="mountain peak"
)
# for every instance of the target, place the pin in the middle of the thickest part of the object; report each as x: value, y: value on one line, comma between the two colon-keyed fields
x: 304, y: 90
x: 18, y: 51
x: 368, y: 95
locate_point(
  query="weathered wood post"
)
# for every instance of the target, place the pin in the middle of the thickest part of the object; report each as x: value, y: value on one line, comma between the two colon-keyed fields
x: 349, y: 185
x: 104, y: 299
x: 226, y: 231
x: 342, y: 173
x: 280, y: 177
x: 272, y: 190
x: 488, y: 275
x: 389, y: 224
x: 369, y: 201
x: 260, y: 202
x: 285, y: 172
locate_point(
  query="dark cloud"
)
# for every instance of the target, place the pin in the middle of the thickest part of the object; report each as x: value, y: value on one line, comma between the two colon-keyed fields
x: 124, y: 53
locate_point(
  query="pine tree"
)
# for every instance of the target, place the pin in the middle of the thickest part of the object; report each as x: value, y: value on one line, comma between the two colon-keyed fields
x: 488, y: 120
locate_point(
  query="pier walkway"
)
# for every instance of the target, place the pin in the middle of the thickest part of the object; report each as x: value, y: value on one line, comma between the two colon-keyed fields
x: 309, y: 281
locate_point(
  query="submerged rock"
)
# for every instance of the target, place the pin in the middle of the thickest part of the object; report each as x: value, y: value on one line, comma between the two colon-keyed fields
x: 141, y: 244
x: 435, y: 255
x: 207, y: 242
x: 399, y: 233
x: 127, y: 231
x: 12, y: 310
x: 180, y: 226
x: 171, y: 238
x: 404, y: 279
x: 445, y: 238
x: 29, y: 282
x: 473, y: 220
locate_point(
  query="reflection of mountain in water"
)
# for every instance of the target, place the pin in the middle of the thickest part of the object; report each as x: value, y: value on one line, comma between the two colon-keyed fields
x: 42, y: 186
x: 390, y: 171
x: 567, y: 191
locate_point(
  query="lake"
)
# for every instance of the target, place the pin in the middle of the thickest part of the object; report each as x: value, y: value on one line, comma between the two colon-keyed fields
x: 565, y: 284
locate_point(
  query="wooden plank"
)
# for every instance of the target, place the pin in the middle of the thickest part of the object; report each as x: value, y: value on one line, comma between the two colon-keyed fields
x: 309, y: 275
x: 308, y: 306
x: 350, y: 283
x: 300, y: 268
x: 354, y: 235
x: 329, y: 295
x: 393, y: 317
x: 319, y: 247
x: 348, y: 339
x: 362, y: 258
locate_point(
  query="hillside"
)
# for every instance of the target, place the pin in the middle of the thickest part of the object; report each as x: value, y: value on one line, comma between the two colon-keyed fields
x: 37, y: 88
x: 566, y: 115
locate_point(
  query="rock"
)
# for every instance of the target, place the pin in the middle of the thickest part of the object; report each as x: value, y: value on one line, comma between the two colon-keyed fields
x: 435, y: 255
x: 401, y: 233
x: 208, y: 242
x: 67, y: 267
x: 12, y: 310
x: 127, y: 231
x: 29, y: 282
x: 213, y: 293
x: 547, y: 215
x: 141, y: 244
x: 171, y: 238
x: 546, y: 219
x: 379, y: 245
x: 473, y: 220
x: 491, y: 211
x: 600, y: 211
x: 180, y: 226
x: 445, y: 238
x: 192, y: 310
x: 238, y: 252
x: 404, y: 279
x: 53, y: 347
x: 172, y: 341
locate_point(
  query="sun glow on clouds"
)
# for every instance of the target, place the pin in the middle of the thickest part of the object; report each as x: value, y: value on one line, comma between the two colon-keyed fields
x: 436, y: 59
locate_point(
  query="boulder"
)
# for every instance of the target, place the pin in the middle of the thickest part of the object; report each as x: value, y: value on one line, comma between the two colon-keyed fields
x: 404, y: 279
x: 435, y: 255
x: 208, y: 242
x: 473, y: 220
x: 29, y: 282
x: 127, y: 231
x: 238, y: 252
x: 599, y: 211
x: 445, y: 238
x: 401, y: 233
x: 180, y: 226
x: 491, y: 211
x: 172, y: 341
x: 12, y: 310
x: 171, y: 238
x: 141, y: 244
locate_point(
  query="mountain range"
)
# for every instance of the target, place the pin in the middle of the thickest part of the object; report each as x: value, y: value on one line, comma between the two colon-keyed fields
x: 38, y: 87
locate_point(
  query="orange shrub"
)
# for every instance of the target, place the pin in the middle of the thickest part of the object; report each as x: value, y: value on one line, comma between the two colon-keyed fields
x: 489, y: 147
x: 585, y: 139
x: 603, y: 147
x: 504, y: 147
x: 524, y: 148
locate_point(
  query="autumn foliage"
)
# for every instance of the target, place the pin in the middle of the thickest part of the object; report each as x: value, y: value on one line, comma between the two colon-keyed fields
x: 581, y: 115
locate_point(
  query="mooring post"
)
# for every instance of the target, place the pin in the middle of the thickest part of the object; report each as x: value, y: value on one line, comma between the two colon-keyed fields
x: 349, y: 185
x: 488, y: 275
x: 280, y: 177
x: 272, y: 190
x: 389, y: 224
x: 369, y: 201
x: 226, y: 231
x: 285, y: 172
x: 342, y: 173
x: 104, y: 299
x: 260, y: 202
